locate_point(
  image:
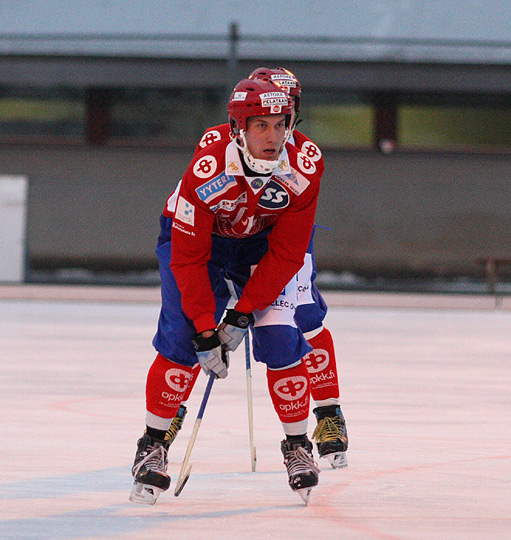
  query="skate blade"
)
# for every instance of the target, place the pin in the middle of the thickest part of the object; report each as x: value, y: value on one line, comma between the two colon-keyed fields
x: 337, y: 460
x: 144, y: 493
x: 305, y: 494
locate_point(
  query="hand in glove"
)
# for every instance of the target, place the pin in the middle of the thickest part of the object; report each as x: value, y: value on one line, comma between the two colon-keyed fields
x: 212, y: 354
x: 233, y: 328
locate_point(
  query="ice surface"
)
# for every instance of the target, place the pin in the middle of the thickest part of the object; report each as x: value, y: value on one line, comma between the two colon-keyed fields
x: 426, y: 394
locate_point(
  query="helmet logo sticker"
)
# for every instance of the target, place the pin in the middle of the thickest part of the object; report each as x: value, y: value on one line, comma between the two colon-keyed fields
x: 270, y: 99
x: 285, y: 80
x: 239, y: 96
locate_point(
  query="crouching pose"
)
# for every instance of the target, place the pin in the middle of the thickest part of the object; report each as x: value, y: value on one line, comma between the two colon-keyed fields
x: 330, y: 434
x: 242, y: 217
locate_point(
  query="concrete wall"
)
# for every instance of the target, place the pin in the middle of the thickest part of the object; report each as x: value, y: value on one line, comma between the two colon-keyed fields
x: 402, y: 213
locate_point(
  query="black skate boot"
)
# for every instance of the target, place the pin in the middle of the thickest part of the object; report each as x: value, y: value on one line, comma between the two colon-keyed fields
x: 177, y: 424
x: 150, y: 470
x: 302, y: 470
x: 331, y: 435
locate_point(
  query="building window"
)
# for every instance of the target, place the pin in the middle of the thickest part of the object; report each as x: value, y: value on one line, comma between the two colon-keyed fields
x: 41, y: 112
x: 178, y: 117
x: 338, y: 120
x: 175, y: 116
x: 458, y: 124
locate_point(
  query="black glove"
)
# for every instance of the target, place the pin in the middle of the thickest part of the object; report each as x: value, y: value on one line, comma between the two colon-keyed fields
x: 212, y: 354
x: 233, y: 328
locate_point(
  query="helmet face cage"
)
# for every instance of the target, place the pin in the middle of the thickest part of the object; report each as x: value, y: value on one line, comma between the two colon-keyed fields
x: 284, y: 78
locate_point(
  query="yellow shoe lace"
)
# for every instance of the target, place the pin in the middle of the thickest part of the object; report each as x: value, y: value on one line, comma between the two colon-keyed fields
x: 328, y: 429
x: 173, y: 430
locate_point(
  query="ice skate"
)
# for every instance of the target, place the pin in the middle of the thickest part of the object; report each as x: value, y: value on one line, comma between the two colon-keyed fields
x: 150, y: 470
x: 331, y: 435
x: 302, y: 470
x: 176, y: 425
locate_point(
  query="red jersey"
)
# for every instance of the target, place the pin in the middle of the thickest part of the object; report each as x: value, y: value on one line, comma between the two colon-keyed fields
x: 215, y: 197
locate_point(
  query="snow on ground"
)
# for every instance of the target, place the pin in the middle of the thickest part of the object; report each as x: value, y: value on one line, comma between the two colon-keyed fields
x: 425, y: 391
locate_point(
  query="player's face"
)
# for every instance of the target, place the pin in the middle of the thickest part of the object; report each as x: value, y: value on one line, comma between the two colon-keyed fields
x: 265, y: 135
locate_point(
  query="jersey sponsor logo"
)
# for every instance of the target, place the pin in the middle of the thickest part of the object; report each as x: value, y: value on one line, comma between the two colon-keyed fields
x: 240, y: 226
x: 311, y: 151
x: 209, y: 138
x: 233, y: 167
x: 185, y: 211
x: 271, y: 99
x: 283, y: 304
x: 181, y: 228
x: 295, y: 182
x: 257, y: 183
x: 291, y: 388
x: 229, y: 206
x: 305, y: 164
x: 274, y: 196
x: 215, y: 187
x: 283, y: 165
x: 205, y: 167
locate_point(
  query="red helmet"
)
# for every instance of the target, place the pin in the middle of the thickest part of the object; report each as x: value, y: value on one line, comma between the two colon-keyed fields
x: 258, y: 97
x: 284, y: 78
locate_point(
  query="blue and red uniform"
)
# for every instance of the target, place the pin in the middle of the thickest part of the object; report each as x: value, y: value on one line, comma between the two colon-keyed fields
x: 223, y: 231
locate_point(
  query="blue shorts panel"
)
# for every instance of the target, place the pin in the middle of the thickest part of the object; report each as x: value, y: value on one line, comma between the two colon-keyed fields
x: 278, y: 346
x: 310, y: 317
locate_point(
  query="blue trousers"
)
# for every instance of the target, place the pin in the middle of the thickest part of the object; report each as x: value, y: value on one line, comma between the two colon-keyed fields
x: 277, y: 340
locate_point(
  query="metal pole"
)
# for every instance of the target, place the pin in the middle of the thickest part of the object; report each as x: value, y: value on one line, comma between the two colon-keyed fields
x: 232, y: 59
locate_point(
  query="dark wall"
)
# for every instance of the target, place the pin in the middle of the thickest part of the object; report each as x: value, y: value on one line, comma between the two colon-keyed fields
x: 399, y: 213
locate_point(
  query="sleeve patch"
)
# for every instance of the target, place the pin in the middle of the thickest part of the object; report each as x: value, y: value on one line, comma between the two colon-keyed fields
x: 305, y: 164
x: 311, y: 151
x: 185, y: 211
x: 209, y: 138
x: 205, y: 167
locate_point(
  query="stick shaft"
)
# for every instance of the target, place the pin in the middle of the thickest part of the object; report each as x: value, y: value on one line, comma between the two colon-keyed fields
x: 185, y: 470
x: 253, y: 458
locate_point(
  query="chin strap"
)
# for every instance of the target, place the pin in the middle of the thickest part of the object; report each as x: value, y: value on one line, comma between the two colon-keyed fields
x: 259, y: 166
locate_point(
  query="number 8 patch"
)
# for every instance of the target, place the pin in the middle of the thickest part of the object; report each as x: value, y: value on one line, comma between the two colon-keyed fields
x: 305, y: 164
x: 205, y: 167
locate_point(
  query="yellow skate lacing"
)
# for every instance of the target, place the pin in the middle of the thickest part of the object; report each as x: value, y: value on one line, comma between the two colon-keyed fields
x: 173, y: 430
x: 328, y: 429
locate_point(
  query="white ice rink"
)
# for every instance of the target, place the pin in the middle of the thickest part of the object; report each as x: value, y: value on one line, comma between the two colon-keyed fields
x: 426, y: 391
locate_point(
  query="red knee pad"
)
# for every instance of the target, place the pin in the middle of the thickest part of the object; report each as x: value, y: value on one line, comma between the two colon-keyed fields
x: 322, y: 367
x: 167, y: 383
x: 290, y: 392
